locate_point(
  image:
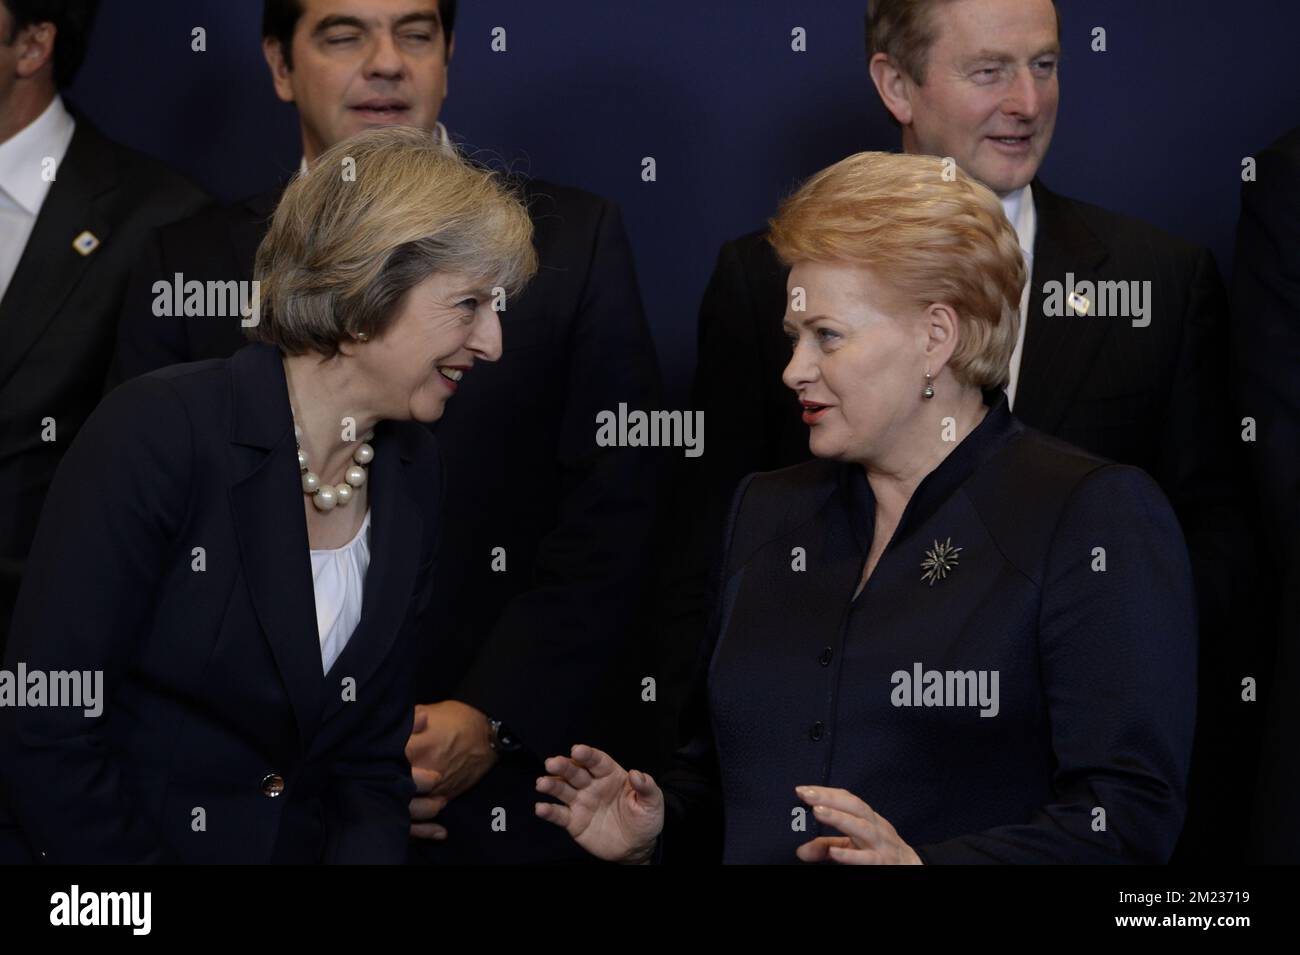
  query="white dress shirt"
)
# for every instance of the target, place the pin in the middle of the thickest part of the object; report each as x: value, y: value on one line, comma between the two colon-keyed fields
x: 23, y: 187
x: 1019, y: 207
x: 339, y: 577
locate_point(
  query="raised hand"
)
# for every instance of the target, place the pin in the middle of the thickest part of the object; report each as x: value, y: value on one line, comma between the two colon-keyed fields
x: 614, y: 814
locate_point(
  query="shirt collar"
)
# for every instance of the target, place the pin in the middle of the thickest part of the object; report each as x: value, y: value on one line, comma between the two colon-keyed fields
x: 1020, y: 212
x: 937, y: 486
x: 439, y: 134
x: 23, y: 154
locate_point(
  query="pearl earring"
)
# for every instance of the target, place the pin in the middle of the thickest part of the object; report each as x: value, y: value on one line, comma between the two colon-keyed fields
x: 928, y: 392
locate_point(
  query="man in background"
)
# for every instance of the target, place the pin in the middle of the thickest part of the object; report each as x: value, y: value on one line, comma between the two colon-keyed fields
x: 1266, y: 358
x: 75, y: 209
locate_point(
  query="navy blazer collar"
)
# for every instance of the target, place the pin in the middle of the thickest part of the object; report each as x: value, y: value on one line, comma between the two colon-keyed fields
x: 937, y: 486
x: 265, y: 497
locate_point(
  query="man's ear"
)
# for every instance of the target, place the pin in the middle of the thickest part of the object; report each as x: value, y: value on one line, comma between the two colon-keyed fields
x: 35, y: 51
x: 893, y: 86
x: 281, y: 75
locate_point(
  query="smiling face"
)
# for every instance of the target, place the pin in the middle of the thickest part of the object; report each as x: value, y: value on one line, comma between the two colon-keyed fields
x: 443, y: 325
x: 990, y: 94
x: 362, y: 63
x: 858, y: 364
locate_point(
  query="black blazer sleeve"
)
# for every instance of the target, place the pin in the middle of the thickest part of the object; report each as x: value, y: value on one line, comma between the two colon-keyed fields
x: 1266, y: 336
x: 1117, y: 653
x: 373, y: 787
x: 87, y: 597
x: 1201, y: 454
x: 1266, y: 350
x: 590, y: 566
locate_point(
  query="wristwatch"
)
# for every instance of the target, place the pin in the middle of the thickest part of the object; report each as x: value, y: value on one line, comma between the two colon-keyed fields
x: 500, y: 738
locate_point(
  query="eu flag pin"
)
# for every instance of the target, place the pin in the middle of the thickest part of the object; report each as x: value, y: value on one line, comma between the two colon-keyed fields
x: 1079, y: 303
x: 86, y: 243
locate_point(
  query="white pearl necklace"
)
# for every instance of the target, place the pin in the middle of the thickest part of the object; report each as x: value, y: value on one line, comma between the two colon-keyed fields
x: 328, y: 496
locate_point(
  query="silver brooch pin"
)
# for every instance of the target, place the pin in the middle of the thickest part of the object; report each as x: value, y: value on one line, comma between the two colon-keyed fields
x: 939, y: 560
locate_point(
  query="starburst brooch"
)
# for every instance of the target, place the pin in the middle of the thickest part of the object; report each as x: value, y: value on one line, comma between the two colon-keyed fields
x: 939, y: 560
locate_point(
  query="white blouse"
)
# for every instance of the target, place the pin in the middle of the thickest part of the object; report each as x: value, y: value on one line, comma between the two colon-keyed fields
x: 338, y: 577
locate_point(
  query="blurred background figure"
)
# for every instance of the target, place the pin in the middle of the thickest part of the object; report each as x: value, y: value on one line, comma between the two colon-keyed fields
x: 1266, y: 351
x: 75, y: 209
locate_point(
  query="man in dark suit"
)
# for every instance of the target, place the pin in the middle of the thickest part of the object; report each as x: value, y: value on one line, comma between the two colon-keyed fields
x: 1266, y: 358
x: 1123, y: 331
x: 543, y: 546
x: 74, y: 210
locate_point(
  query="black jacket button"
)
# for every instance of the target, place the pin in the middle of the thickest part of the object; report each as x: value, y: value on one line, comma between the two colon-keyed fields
x: 818, y: 731
x: 825, y: 658
x: 272, y: 785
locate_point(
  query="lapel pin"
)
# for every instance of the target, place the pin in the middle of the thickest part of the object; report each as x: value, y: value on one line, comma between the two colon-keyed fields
x: 1079, y: 303
x: 86, y: 243
x: 939, y: 561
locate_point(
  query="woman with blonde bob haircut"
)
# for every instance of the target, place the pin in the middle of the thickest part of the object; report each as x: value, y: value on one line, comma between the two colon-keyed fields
x: 950, y: 639
x: 262, y: 532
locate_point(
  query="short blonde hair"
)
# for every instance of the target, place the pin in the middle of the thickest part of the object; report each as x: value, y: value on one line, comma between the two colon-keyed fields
x: 933, y: 237
x: 375, y: 215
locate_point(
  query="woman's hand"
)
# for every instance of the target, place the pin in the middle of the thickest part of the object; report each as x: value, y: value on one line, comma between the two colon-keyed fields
x: 614, y: 814
x: 868, y: 838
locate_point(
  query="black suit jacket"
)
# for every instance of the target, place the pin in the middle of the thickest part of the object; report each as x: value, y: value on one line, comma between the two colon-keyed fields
x: 1266, y: 351
x: 545, y: 644
x: 1154, y: 397
x: 212, y: 669
x: 58, y: 319
x: 1095, y: 665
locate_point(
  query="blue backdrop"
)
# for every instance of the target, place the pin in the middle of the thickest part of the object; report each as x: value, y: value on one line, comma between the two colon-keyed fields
x: 1156, y: 127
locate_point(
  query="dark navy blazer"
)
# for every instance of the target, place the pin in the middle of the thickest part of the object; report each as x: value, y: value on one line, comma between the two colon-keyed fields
x: 1086, y: 759
x: 211, y: 659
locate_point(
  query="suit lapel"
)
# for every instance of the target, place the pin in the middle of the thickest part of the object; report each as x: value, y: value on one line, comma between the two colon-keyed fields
x: 272, y: 531
x: 396, y: 533
x: 50, y: 267
x: 1059, y: 350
